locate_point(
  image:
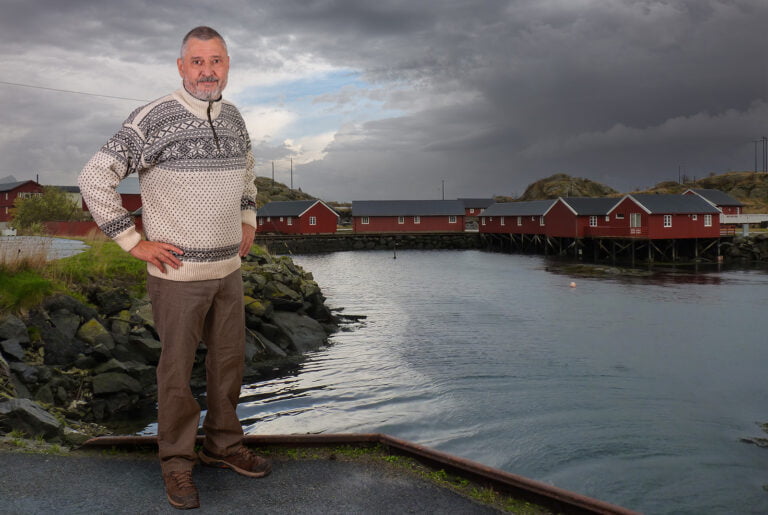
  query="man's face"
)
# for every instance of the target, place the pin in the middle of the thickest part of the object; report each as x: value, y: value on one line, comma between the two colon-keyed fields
x: 204, y: 68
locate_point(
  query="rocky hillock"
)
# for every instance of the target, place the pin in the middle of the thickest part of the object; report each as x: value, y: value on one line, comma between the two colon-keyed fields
x: 562, y: 185
x: 67, y: 363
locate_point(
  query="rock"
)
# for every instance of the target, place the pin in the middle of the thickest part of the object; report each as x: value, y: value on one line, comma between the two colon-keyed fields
x: 12, y: 327
x: 12, y: 349
x: 145, y: 374
x: 258, y: 307
x: 94, y: 333
x: 66, y: 322
x: 304, y: 333
x: 113, y: 382
x: 149, y: 348
x: 44, y: 395
x: 26, y: 373
x: 59, y: 350
x: 70, y: 304
x: 283, y: 297
x: 28, y: 417
x: 6, y: 378
x: 113, y: 301
x: 269, y: 347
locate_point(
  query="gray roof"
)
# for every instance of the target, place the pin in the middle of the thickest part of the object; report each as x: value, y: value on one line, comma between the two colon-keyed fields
x: 717, y: 197
x: 129, y: 186
x: 288, y: 208
x: 407, y: 207
x: 481, y: 203
x: 674, y: 204
x: 590, y: 206
x: 69, y: 189
x: 525, y: 208
x: 8, y: 186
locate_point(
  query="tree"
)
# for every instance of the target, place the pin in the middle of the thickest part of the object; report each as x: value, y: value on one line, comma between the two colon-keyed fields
x: 53, y: 205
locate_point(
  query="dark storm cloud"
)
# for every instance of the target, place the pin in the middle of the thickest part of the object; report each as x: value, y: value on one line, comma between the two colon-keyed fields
x: 489, y: 95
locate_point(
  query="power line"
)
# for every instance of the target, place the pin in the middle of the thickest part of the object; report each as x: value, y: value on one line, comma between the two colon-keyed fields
x: 74, y: 92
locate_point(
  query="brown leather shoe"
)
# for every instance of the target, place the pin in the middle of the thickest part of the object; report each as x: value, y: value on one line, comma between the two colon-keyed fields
x: 243, y: 462
x: 181, y: 490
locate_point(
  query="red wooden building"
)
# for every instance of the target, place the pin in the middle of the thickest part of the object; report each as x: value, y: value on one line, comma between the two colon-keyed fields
x: 11, y: 191
x: 297, y: 217
x: 475, y: 206
x: 130, y: 194
x: 721, y: 200
x: 660, y: 217
x: 576, y: 217
x: 404, y: 216
x: 525, y: 217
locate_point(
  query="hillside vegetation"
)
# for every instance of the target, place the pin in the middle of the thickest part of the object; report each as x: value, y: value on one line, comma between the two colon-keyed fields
x: 277, y: 191
x: 562, y: 185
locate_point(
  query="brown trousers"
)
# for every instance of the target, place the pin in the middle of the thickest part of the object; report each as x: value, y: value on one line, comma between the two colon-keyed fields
x: 187, y: 313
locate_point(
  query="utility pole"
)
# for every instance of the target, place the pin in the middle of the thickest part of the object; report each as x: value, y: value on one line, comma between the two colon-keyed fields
x: 291, y: 173
x: 755, y: 142
x: 443, y: 189
x: 765, y: 154
x: 273, y: 170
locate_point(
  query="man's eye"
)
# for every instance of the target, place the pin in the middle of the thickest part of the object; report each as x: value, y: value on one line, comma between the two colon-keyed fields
x: 196, y: 61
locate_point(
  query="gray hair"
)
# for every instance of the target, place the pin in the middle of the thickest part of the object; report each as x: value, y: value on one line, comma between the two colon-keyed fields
x: 203, y: 33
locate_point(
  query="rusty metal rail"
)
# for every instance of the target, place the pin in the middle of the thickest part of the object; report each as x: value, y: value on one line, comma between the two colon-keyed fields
x: 558, y: 499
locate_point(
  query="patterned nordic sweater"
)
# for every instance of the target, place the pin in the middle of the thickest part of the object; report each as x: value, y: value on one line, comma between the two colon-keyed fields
x: 196, y: 179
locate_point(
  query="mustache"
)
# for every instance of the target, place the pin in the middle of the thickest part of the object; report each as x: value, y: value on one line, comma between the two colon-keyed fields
x: 210, y: 78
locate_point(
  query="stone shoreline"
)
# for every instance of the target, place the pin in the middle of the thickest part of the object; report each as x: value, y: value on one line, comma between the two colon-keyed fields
x: 69, y: 370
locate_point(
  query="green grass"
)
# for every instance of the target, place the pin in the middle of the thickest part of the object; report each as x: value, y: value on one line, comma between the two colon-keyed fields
x: 22, y: 289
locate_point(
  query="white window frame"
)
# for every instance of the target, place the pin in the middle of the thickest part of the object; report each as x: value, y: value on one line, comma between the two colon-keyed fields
x: 482, y: 220
x: 619, y: 216
x: 541, y: 220
x: 365, y: 220
x: 593, y: 221
x: 471, y: 210
x: 416, y: 220
x: 400, y: 220
x: 290, y: 220
x: 694, y: 217
x: 635, y: 220
x: 519, y: 220
x: 312, y: 220
x: 707, y: 220
x: 451, y: 219
x: 501, y: 221
x: 667, y: 221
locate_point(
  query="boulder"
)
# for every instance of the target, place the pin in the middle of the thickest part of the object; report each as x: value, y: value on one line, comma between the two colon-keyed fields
x: 114, y: 382
x: 12, y: 349
x: 113, y: 301
x: 143, y: 373
x: 258, y: 307
x: 28, y: 417
x: 149, y: 348
x: 12, y: 327
x: 93, y: 333
x: 66, y: 322
x: 304, y: 333
x: 70, y: 304
x: 59, y: 350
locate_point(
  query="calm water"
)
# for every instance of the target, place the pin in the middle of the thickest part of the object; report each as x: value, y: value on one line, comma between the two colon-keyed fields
x: 632, y: 391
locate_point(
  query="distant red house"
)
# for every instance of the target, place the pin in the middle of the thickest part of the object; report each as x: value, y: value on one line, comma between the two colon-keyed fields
x: 297, y: 217
x: 576, y: 217
x: 475, y: 206
x: 660, y: 217
x: 11, y: 191
x: 404, y: 216
x: 721, y: 200
x: 525, y: 217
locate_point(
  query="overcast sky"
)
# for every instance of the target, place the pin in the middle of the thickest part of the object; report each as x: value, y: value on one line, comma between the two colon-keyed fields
x: 398, y: 99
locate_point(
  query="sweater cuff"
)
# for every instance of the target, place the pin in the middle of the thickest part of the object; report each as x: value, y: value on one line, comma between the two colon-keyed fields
x: 128, y: 239
x: 248, y: 217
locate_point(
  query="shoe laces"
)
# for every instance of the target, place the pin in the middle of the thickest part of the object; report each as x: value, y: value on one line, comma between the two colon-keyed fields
x: 182, y: 479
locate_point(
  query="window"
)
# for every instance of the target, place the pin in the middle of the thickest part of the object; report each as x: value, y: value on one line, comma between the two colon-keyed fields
x: 312, y: 220
x: 635, y: 220
x: 541, y: 220
x: 619, y: 216
x: 501, y: 221
x: 281, y: 218
x: 417, y: 220
x: 694, y: 217
x: 519, y: 220
x: 401, y: 220
x: 707, y: 220
x: 25, y: 194
x: 667, y: 220
x: 452, y: 219
x: 269, y: 219
x: 483, y: 220
x: 6, y: 196
x: 607, y: 218
x: 593, y: 221
x: 471, y: 210
x: 261, y: 220
x: 364, y: 220
x: 290, y: 220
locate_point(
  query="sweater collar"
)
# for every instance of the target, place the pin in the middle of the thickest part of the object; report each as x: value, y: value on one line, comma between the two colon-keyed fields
x: 196, y: 106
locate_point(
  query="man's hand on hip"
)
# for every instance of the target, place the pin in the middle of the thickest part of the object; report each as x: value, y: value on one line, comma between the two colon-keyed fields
x: 249, y: 232
x: 157, y: 253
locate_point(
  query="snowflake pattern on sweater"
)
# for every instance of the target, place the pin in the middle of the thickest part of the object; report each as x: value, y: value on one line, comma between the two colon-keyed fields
x: 196, y: 179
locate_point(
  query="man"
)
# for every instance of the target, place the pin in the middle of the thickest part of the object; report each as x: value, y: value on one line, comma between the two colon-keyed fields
x: 193, y: 156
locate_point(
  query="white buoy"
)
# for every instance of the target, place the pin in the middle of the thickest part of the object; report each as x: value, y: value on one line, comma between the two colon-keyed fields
x: 572, y: 285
